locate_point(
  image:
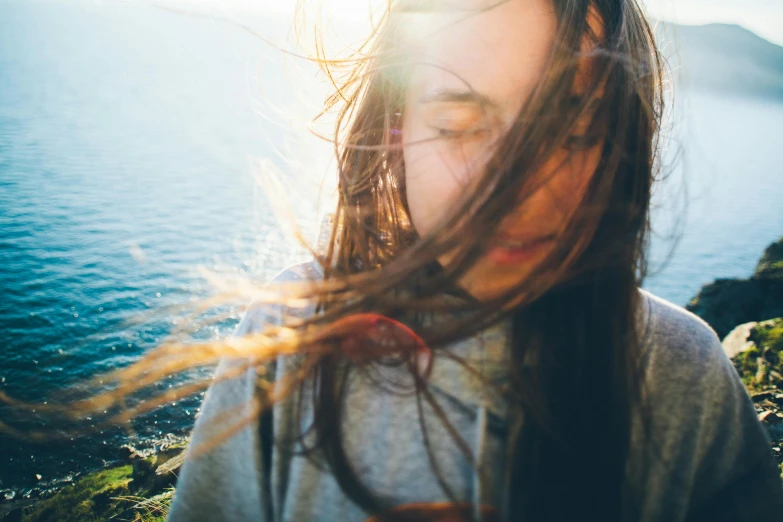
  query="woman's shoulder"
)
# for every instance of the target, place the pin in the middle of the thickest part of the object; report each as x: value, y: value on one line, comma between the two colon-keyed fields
x: 672, y: 333
x: 706, y: 431
x: 306, y: 270
x: 259, y: 312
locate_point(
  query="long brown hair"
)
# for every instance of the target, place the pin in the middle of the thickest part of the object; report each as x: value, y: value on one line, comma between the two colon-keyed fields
x: 576, y: 314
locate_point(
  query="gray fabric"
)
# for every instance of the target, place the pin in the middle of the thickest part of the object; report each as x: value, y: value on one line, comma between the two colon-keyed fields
x: 713, y: 448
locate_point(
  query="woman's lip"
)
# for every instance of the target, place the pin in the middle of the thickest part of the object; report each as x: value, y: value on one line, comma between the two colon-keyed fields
x: 528, y: 249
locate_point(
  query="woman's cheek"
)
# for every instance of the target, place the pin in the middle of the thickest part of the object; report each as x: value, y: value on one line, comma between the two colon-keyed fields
x: 568, y: 176
x: 430, y: 183
x: 438, y: 173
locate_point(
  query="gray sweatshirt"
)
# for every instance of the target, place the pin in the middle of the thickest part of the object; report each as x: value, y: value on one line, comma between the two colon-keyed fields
x: 716, y: 463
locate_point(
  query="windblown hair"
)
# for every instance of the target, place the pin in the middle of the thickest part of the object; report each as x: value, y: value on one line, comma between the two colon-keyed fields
x: 575, y: 315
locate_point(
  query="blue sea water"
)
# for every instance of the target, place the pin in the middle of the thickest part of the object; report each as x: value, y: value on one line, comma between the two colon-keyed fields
x: 128, y: 138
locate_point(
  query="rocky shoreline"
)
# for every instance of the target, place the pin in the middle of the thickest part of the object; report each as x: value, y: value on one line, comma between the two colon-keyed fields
x: 746, y: 313
x: 758, y: 357
x: 137, y: 487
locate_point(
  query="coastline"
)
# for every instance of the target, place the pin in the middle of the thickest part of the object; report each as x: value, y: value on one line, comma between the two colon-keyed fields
x: 136, y: 486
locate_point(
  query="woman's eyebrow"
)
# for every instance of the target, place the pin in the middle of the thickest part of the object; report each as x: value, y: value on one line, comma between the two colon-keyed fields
x: 458, y: 96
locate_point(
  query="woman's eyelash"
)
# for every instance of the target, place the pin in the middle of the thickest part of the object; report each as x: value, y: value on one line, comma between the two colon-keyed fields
x: 462, y: 133
x: 445, y: 133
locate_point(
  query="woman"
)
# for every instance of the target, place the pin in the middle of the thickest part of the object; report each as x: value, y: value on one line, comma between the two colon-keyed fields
x: 478, y: 346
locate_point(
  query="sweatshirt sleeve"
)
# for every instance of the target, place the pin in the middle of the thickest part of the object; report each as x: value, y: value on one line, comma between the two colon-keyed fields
x: 710, y: 458
x: 224, y: 483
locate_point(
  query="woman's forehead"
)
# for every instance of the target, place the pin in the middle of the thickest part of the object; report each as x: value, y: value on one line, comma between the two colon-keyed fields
x: 499, y: 52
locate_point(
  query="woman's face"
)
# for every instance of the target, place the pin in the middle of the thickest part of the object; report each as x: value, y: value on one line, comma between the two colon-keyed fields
x: 449, y: 129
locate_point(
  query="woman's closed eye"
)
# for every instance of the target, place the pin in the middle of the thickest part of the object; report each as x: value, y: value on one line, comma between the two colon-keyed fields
x: 456, y: 120
x: 462, y: 133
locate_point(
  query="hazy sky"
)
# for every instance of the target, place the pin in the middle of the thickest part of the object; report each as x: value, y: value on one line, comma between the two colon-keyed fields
x: 764, y: 17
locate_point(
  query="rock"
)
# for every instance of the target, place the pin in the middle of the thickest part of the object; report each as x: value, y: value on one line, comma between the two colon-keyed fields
x: 769, y: 417
x: 762, y: 369
x: 771, y: 264
x: 126, y: 453
x: 727, y: 303
x: 775, y: 432
x: 737, y: 341
x: 143, y: 472
x: 167, y: 472
x: 31, y: 493
x: 760, y: 363
x: 763, y: 396
x: 15, y: 510
x: 172, y: 465
x: 153, y: 474
x: 167, y: 454
x: 13, y: 516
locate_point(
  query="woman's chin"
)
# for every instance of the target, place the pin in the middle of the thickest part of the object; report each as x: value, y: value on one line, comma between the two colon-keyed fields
x: 491, y: 281
x: 499, y: 273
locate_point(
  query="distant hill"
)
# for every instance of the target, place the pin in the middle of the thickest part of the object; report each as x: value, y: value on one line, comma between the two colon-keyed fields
x: 723, y: 58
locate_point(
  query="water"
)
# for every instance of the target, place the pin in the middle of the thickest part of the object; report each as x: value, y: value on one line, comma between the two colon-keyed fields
x: 127, y: 137
x: 723, y: 196
x: 127, y: 141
